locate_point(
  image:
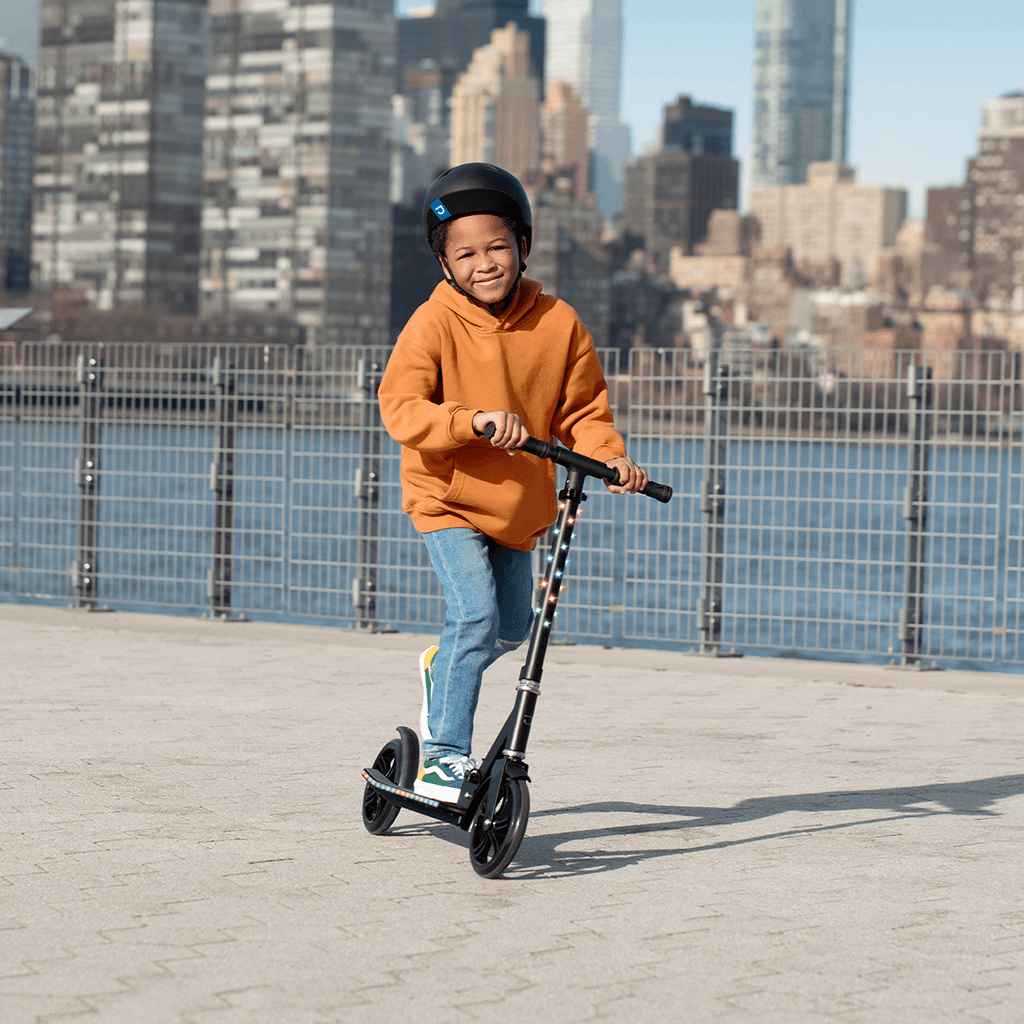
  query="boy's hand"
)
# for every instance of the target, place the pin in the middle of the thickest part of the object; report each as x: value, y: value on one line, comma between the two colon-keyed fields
x: 631, y: 477
x: 509, y: 432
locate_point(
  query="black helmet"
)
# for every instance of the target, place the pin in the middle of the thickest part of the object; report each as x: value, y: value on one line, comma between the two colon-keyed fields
x: 477, y: 188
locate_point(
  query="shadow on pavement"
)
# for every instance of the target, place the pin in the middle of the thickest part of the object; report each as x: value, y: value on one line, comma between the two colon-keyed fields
x: 541, y: 856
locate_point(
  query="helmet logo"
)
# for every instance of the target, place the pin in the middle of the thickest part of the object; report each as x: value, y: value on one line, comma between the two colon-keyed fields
x: 439, y: 210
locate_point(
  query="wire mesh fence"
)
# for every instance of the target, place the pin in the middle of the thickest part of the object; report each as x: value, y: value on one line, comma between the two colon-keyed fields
x: 852, y: 505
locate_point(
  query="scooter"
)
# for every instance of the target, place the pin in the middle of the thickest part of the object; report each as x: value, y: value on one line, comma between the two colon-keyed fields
x: 494, y: 802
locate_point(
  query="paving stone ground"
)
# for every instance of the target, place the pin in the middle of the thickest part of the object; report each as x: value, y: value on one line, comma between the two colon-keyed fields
x: 751, y: 840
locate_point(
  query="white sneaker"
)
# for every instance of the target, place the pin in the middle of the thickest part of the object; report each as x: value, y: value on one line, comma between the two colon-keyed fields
x: 441, y: 778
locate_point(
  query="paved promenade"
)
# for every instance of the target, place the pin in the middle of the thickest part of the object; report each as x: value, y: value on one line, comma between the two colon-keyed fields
x: 747, y: 840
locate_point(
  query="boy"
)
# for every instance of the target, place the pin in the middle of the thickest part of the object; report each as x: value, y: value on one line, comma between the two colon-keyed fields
x: 487, y: 347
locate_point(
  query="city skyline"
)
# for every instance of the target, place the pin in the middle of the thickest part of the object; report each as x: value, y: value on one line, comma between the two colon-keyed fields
x: 920, y: 72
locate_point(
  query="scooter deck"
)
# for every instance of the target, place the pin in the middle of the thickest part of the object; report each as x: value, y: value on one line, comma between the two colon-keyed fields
x: 453, y: 813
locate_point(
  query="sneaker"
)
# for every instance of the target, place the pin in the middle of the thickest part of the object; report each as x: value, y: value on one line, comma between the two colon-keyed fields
x: 428, y: 682
x: 441, y: 778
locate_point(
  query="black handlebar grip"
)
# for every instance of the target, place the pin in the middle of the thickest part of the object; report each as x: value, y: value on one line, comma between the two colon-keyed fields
x: 543, y: 450
x: 659, y: 492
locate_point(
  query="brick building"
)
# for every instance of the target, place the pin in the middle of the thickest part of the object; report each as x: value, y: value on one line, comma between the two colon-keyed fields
x: 564, y: 135
x: 722, y: 262
x: 496, y: 106
x: 996, y: 175
x: 977, y: 229
x: 567, y: 256
x: 830, y: 218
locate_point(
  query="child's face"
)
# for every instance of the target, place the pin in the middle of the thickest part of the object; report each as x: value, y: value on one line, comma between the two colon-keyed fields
x: 481, y: 253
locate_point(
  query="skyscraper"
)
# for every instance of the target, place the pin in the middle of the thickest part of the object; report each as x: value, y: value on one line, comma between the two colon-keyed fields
x: 296, y: 212
x: 446, y: 40
x: 17, y: 148
x: 496, y: 106
x: 119, y: 143
x: 435, y: 46
x: 567, y: 256
x: 801, y: 83
x: 696, y: 129
x: 584, y: 50
x: 564, y: 135
x: 669, y: 193
x: 997, y: 175
x: 976, y: 231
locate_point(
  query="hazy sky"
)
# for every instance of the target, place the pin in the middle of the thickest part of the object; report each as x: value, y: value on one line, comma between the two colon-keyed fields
x: 921, y: 70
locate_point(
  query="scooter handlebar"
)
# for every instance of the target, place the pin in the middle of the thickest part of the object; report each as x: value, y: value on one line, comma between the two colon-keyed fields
x: 564, y: 457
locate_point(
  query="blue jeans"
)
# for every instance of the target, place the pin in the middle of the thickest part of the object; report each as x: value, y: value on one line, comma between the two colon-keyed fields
x: 488, y: 589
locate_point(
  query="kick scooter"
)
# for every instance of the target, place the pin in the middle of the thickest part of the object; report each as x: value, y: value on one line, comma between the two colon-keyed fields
x: 494, y: 802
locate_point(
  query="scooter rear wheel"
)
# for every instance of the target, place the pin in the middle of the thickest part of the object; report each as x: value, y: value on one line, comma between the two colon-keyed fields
x: 397, y: 761
x: 492, y: 845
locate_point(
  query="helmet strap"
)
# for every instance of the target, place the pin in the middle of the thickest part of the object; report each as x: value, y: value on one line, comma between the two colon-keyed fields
x: 450, y: 278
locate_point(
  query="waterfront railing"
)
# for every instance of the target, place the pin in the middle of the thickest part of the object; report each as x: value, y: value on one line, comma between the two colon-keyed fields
x: 853, y: 505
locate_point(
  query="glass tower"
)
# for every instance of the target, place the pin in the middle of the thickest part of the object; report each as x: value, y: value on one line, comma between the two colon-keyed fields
x: 17, y: 148
x: 801, y: 84
x: 584, y: 50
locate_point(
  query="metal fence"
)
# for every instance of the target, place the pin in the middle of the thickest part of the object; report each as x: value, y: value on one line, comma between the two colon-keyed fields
x: 856, y: 505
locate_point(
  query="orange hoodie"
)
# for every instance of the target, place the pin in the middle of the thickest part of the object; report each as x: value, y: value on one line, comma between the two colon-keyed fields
x: 453, y: 360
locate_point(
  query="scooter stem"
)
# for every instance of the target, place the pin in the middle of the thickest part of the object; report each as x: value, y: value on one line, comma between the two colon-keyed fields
x: 570, y: 499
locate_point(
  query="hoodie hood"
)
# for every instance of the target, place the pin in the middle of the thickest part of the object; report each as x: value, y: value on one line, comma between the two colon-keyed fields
x: 466, y: 309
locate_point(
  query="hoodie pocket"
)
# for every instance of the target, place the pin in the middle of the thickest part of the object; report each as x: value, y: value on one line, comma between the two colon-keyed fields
x: 455, y: 488
x: 503, y: 495
x: 427, y: 478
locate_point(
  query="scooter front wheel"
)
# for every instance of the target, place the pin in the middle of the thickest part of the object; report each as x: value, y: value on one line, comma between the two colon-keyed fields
x: 493, y: 844
x: 397, y: 761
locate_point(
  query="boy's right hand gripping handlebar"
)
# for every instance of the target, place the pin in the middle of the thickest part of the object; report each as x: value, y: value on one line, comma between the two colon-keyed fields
x: 564, y: 457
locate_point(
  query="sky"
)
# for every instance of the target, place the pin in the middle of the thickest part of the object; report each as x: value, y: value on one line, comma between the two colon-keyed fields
x: 921, y: 70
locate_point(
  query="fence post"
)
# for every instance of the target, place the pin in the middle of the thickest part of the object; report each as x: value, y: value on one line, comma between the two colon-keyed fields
x: 712, y: 507
x: 915, y: 512
x: 367, y: 489
x: 222, y: 483
x: 85, y: 569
